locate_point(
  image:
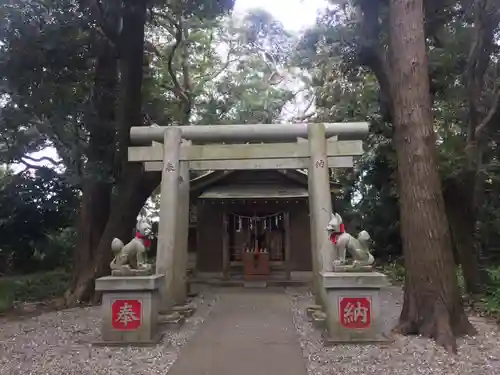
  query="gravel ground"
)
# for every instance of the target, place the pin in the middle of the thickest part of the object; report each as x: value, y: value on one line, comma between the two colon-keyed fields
x: 58, y: 343
x: 479, y: 355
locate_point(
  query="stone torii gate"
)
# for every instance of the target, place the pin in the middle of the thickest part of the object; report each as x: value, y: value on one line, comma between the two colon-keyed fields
x: 174, y: 150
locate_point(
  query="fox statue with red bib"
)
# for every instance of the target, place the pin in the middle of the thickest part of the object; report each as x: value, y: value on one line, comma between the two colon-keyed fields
x: 130, y: 259
x: 358, y: 247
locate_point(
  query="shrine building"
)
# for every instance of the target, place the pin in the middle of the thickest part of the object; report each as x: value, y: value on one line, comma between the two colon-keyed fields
x: 250, y: 223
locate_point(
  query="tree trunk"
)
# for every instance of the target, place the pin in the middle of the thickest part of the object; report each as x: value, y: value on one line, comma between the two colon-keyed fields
x: 468, y: 184
x: 94, y: 214
x: 432, y: 303
x: 461, y: 213
x: 134, y: 186
x: 97, y: 186
x: 132, y: 194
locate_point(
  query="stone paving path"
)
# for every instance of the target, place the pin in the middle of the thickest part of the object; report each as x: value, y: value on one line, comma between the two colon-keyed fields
x: 249, y: 332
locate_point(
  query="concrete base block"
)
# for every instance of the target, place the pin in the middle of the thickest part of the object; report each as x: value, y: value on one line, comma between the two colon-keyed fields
x: 310, y: 310
x: 157, y: 340
x: 129, y: 309
x: 185, y: 310
x: 172, y: 321
x: 318, y: 319
x: 353, y: 307
x: 331, y: 341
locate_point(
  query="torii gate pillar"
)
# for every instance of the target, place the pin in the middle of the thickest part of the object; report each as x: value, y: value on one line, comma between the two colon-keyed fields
x: 320, y: 205
x: 168, y: 226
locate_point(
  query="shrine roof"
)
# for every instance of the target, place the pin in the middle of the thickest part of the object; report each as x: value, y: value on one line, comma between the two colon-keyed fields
x: 254, y: 192
x: 211, y: 177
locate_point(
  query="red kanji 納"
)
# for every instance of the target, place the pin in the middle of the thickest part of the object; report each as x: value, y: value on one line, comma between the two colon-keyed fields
x: 126, y: 315
x: 355, y: 312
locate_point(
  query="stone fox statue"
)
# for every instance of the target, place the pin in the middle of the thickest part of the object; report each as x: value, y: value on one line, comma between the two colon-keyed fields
x: 129, y: 259
x: 357, y: 247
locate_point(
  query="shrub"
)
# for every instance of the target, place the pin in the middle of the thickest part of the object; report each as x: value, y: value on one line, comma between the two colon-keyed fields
x: 488, y: 304
x: 395, y: 272
x: 31, y: 288
x: 56, y: 251
x: 491, y: 300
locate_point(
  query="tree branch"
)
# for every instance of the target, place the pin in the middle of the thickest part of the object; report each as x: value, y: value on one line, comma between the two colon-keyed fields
x: 151, y: 48
x: 28, y: 164
x: 304, y: 115
x: 99, y: 17
x: 178, y: 90
x: 437, y: 14
x: 167, y: 18
x: 42, y: 159
x: 492, y: 118
x: 202, y: 79
x: 479, y: 57
x: 371, y: 56
x: 187, y: 102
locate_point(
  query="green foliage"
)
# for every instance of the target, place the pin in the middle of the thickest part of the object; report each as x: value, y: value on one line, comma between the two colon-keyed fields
x: 395, y: 271
x: 344, y: 92
x: 49, y: 89
x: 221, y: 70
x: 491, y: 300
x: 35, y: 212
x: 487, y: 304
x: 31, y: 288
x: 334, y: 52
x: 45, y: 75
x: 56, y: 249
x: 235, y: 70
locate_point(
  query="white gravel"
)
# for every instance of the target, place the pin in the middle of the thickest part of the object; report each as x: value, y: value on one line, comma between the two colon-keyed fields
x: 479, y: 355
x: 58, y: 343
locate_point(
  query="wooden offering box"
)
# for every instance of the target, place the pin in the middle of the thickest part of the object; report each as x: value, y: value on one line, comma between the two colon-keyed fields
x: 256, y: 265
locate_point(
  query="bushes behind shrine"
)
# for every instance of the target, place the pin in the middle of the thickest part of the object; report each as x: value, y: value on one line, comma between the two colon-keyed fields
x: 490, y: 302
x: 487, y: 304
x: 32, y: 288
x: 37, y: 214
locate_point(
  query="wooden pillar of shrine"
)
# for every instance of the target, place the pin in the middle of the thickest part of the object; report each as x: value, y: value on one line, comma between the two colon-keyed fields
x: 288, y: 247
x: 225, y: 246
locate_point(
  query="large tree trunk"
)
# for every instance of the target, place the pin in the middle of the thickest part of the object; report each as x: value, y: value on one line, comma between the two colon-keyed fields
x: 132, y: 194
x: 461, y: 212
x: 94, y: 214
x: 462, y: 215
x: 133, y: 186
x: 97, y: 187
x: 469, y: 183
x: 432, y: 303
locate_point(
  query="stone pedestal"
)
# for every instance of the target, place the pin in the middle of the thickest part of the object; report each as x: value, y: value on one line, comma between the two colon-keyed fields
x: 129, y: 309
x: 352, y: 306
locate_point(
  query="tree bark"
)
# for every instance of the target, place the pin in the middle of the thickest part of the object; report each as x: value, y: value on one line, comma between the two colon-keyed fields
x: 133, y: 185
x: 463, y: 223
x: 94, y: 214
x: 461, y: 212
x: 97, y: 186
x: 469, y: 183
x: 432, y: 303
x: 123, y: 217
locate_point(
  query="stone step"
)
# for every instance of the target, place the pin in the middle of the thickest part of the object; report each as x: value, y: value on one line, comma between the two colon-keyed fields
x: 255, y: 284
x: 171, y: 321
x: 185, y: 310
